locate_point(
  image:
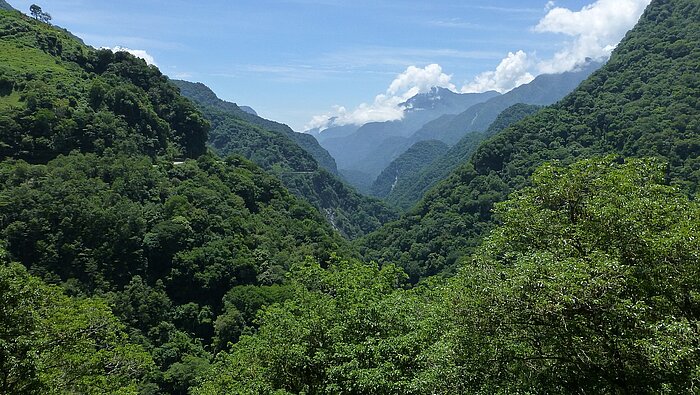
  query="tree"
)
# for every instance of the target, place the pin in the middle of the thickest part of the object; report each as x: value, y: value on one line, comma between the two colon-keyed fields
x: 589, y: 286
x: 39, y: 14
x: 35, y: 11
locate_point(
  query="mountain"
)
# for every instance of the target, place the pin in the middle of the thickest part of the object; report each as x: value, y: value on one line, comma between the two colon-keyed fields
x: 352, y: 214
x: 412, y: 161
x: 370, y: 148
x: 230, y: 134
x: 202, y: 94
x: 248, y: 109
x: 122, y: 106
x: 410, y: 186
x: 5, y: 6
x: 543, y: 90
x: 643, y: 102
x: 333, y: 131
x: 109, y: 194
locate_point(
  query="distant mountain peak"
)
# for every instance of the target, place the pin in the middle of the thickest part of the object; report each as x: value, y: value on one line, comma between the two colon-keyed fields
x: 6, y: 6
x: 439, y: 97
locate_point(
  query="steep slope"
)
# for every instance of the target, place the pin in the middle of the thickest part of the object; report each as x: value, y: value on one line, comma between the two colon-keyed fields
x: 643, y: 102
x: 232, y: 135
x: 373, y: 146
x: 411, y: 186
x: 350, y: 213
x: 587, y: 287
x: 47, y: 107
x: 96, y: 197
x: 203, y: 95
x: 544, y: 90
x: 412, y: 161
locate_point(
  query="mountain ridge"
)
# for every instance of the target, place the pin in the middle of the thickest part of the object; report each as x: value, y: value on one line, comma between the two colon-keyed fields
x: 204, y: 94
x: 545, y: 89
x: 350, y: 213
x: 367, y: 149
x: 643, y: 102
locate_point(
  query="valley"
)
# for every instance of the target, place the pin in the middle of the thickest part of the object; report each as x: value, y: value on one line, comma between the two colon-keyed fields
x: 534, y: 237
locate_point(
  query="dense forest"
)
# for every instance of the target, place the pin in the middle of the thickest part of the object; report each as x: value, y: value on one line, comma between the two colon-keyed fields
x: 643, y: 102
x: 412, y: 185
x: 151, y: 245
x: 272, y: 146
x: 108, y: 191
x: 410, y: 162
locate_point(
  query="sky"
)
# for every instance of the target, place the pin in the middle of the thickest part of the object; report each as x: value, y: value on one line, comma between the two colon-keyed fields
x: 302, y: 62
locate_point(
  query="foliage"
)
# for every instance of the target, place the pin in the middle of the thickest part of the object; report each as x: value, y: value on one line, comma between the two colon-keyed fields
x: 50, y: 343
x: 271, y: 147
x: 39, y: 14
x: 590, y: 285
x: 412, y: 161
x: 164, y: 242
x: 58, y: 95
x: 643, y: 102
x: 202, y: 95
x: 347, y: 329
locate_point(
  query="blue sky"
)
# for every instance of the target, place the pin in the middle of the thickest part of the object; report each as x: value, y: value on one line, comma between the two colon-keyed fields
x: 292, y: 60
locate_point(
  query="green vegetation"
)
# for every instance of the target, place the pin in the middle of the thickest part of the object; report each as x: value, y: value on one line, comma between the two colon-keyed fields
x: 270, y: 145
x: 643, y: 102
x: 590, y: 285
x: 410, y: 162
x: 162, y: 243
x: 413, y: 185
x: 96, y: 198
x: 561, y: 258
x: 201, y: 94
x: 53, y: 344
x: 72, y: 97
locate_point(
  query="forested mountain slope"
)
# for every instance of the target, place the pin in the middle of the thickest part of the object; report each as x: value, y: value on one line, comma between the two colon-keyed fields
x: 411, y: 186
x: 349, y: 212
x: 48, y: 107
x: 106, y: 189
x: 587, y: 287
x: 200, y: 93
x: 412, y: 161
x: 643, y: 102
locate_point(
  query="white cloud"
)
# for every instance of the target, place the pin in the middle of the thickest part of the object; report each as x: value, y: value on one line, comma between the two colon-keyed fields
x: 510, y: 73
x: 595, y: 31
x: 387, y: 106
x: 139, y: 53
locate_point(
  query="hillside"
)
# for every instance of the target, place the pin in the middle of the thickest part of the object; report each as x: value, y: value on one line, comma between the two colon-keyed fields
x: 48, y: 108
x: 411, y: 186
x: 412, y: 161
x: 352, y: 214
x: 643, y: 102
x: 200, y: 93
x: 544, y: 90
x: 107, y: 191
x: 232, y: 135
x: 585, y: 288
